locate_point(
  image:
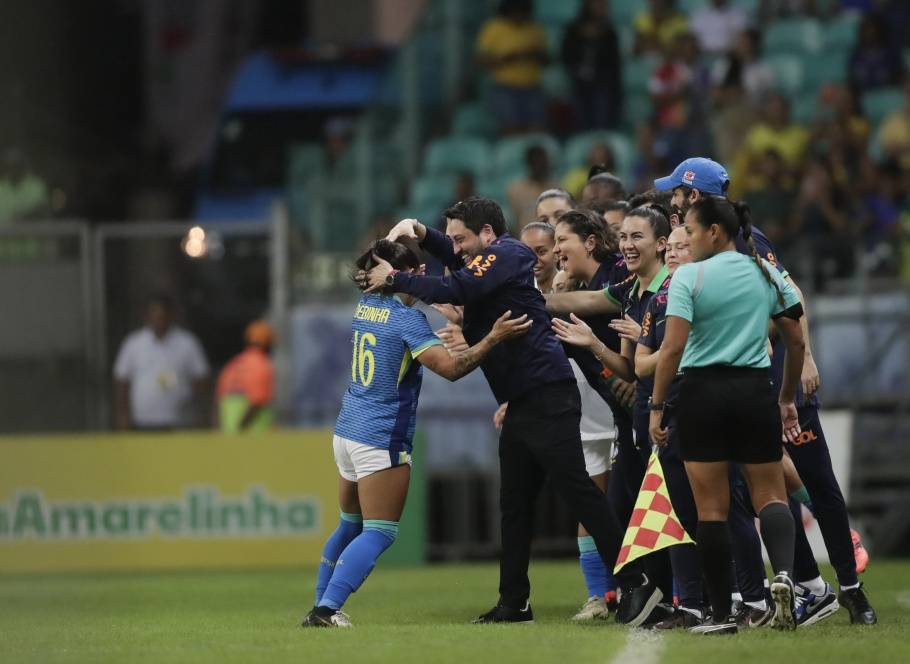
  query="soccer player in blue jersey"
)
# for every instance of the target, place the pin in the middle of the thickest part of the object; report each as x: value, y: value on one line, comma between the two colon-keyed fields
x: 391, y: 342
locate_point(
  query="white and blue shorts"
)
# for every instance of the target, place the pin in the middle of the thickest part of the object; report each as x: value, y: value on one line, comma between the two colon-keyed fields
x: 356, y: 460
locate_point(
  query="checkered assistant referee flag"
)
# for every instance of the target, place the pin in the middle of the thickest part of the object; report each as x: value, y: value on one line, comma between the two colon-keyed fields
x: 654, y: 525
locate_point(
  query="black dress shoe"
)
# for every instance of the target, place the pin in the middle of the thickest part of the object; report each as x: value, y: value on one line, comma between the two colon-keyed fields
x: 861, y: 612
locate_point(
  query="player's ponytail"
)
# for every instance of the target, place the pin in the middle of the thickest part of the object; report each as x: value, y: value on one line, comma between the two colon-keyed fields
x: 744, y: 215
x: 401, y: 254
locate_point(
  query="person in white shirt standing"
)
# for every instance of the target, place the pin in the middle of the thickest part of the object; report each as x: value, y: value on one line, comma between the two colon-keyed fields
x: 160, y: 370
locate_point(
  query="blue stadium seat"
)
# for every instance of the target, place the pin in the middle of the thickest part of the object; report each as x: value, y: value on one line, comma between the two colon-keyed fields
x: 455, y: 154
x: 510, y: 153
x: 794, y: 35
x: 474, y: 119
x: 578, y: 147
x: 879, y: 104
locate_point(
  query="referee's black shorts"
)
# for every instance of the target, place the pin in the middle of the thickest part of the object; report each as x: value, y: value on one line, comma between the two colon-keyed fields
x: 728, y: 414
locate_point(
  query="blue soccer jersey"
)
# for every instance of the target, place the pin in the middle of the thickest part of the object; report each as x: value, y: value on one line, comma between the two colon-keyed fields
x: 379, y: 407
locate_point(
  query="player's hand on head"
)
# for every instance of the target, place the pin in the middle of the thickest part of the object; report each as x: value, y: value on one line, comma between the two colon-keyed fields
x: 376, y: 277
x: 790, y: 420
x: 576, y: 332
x: 404, y: 228
x: 509, y: 328
x: 627, y: 328
x: 452, y: 313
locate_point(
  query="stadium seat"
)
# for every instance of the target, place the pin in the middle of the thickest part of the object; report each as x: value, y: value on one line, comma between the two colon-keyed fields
x: 689, y: 6
x: 495, y: 187
x: 556, y: 82
x: 795, y: 35
x: 306, y: 160
x: 804, y: 109
x: 623, y: 12
x: 473, y: 119
x: 578, y: 147
x: 432, y: 191
x: 636, y: 72
x: 455, y: 154
x: 510, y: 153
x: 825, y: 68
x: 636, y: 109
x: 879, y: 104
x: 789, y: 72
x: 559, y: 12
x: 840, y: 33
x: 554, y: 41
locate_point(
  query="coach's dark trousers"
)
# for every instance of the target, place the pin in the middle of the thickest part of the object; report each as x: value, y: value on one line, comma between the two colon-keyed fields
x: 540, y: 437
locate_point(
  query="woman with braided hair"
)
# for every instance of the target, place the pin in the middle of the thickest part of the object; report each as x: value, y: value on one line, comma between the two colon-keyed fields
x: 717, y: 315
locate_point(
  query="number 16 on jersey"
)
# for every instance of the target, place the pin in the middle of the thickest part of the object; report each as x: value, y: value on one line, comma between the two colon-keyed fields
x: 363, y: 363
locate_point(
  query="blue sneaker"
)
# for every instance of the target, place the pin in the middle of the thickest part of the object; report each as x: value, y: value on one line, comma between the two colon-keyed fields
x: 811, y: 608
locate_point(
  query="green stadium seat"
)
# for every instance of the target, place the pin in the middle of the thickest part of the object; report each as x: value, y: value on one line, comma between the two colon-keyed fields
x: 826, y: 68
x: 879, y: 104
x: 578, y: 147
x: 474, y: 119
x: 636, y: 72
x: 554, y: 41
x: 510, y: 153
x: 789, y: 72
x: 840, y: 33
x: 636, y: 108
x: 305, y: 160
x: 455, y: 154
x: 558, y: 12
x: 689, y: 6
x: 556, y: 82
x: 623, y: 12
x: 432, y: 191
x: 795, y: 35
x: 495, y: 187
x: 804, y: 109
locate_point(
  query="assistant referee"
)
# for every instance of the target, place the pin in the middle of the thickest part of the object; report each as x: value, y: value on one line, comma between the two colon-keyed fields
x: 716, y: 333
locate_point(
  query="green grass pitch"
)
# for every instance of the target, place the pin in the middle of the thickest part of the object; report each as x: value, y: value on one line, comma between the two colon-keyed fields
x: 401, y: 615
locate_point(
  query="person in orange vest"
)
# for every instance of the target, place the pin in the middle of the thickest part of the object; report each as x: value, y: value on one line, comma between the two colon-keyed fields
x: 246, y: 385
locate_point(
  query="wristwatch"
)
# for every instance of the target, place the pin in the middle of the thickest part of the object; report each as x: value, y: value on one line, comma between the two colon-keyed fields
x: 390, y: 278
x: 655, y: 406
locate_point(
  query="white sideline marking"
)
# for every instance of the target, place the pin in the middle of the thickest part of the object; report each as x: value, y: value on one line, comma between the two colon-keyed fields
x: 642, y: 647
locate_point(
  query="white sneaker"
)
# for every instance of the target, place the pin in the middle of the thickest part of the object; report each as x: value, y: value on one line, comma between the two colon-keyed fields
x: 594, y: 609
x: 340, y: 619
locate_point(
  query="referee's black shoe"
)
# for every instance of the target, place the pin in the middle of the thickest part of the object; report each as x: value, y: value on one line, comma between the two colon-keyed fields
x: 861, y: 612
x: 637, y: 602
x: 503, y: 614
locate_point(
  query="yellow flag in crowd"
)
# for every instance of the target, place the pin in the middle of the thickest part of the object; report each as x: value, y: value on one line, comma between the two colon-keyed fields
x: 654, y: 525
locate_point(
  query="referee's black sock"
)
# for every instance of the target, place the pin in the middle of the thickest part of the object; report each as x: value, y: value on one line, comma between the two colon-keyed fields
x: 778, y: 532
x: 714, y: 551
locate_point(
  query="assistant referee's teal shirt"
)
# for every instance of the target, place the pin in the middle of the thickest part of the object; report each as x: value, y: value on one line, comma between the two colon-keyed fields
x: 728, y: 302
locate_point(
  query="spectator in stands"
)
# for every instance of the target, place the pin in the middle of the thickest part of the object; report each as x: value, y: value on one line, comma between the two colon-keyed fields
x: 590, y: 51
x: 246, y: 385
x: 656, y: 29
x: 601, y: 189
x: 821, y: 221
x: 716, y: 25
x: 523, y: 192
x: 771, y: 194
x: 600, y: 157
x: 553, y: 202
x: 160, y: 370
x: 881, y: 206
x: 744, y: 69
x: 874, y: 62
x: 23, y: 195
x: 894, y: 134
x: 774, y: 132
x: 514, y: 50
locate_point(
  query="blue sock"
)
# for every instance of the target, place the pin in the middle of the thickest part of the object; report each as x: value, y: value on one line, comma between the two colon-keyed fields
x: 357, y: 561
x: 598, y: 578
x: 348, y: 528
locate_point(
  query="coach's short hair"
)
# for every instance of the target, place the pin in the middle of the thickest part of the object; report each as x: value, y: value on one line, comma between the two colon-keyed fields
x: 476, y: 212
